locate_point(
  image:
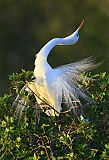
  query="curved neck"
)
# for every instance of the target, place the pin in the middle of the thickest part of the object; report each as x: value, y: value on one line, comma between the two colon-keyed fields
x: 48, y: 47
x: 69, y: 40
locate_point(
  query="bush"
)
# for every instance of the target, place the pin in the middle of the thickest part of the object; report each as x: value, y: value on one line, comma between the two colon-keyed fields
x: 63, y: 137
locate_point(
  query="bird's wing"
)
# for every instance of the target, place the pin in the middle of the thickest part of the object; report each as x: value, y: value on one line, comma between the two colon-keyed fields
x: 70, y: 78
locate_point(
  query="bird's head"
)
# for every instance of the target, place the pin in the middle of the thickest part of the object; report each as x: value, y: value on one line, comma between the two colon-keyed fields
x: 69, y: 40
x: 73, y: 38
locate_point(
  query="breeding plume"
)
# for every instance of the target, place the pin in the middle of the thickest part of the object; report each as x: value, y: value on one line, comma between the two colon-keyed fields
x: 61, y: 84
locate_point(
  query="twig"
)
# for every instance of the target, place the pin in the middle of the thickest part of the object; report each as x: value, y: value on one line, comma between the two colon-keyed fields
x: 75, y: 101
x: 67, y: 111
x: 44, y: 146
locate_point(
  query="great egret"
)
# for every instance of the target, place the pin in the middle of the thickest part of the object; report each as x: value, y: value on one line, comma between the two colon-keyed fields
x: 54, y: 85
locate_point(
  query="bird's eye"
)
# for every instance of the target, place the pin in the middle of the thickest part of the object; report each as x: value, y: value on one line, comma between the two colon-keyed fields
x: 77, y: 35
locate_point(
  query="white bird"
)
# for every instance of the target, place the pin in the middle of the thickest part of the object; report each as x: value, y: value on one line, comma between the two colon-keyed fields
x: 55, y: 85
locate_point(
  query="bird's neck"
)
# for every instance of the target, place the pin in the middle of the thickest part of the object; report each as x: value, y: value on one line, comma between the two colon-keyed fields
x: 44, y: 52
x: 69, y: 40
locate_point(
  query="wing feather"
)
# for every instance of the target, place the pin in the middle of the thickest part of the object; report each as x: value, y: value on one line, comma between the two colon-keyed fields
x: 70, y: 78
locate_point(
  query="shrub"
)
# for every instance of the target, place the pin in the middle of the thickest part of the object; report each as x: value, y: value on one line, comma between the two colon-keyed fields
x: 63, y: 137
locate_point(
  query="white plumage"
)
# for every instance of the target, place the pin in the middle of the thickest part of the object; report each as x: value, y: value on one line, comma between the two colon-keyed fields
x: 53, y: 85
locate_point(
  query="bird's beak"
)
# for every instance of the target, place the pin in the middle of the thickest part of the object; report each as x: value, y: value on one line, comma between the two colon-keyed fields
x: 80, y: 25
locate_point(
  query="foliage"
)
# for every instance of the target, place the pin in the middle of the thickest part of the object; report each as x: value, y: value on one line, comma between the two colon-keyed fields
x: 56, y: 138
